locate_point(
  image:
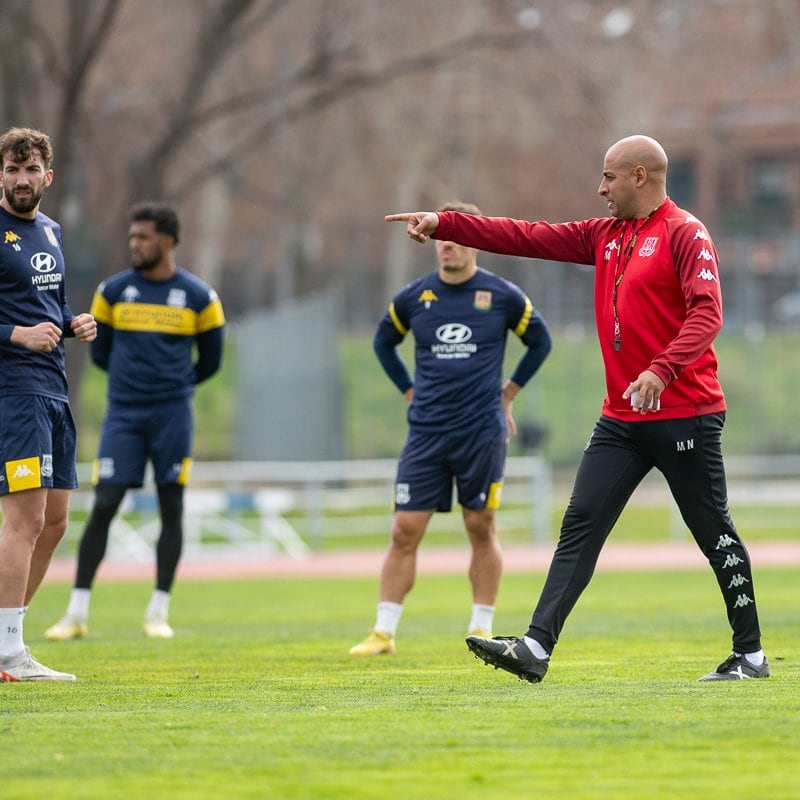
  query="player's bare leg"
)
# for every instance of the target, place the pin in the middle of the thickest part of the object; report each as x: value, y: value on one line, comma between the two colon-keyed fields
x: 485, y: 568
x: 397, y: 579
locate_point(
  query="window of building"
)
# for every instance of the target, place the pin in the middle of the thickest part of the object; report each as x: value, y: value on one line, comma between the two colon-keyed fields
x: 771, y: 192
x: 682, y: 182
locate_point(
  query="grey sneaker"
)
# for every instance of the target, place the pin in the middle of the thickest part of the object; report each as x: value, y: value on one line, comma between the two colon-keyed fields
x: 26, y: 668
x: 511, y: 654
x: 737, y: 668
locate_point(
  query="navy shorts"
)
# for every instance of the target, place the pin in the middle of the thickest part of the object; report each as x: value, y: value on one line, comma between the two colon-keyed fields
x: 37, y: 444
x: 134, y: 434
x: 430, y: 462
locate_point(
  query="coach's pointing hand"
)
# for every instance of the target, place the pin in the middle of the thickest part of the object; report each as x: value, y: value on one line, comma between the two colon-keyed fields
x: 419, y: 224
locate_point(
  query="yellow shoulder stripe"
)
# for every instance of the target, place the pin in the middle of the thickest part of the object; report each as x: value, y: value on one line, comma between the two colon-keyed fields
x: 396, y: 320
x: 522, y: 325
x: 210, y: 317
x: 100, y: 309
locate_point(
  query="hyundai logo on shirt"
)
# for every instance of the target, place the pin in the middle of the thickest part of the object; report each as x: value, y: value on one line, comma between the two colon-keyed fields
x: 453, y: 333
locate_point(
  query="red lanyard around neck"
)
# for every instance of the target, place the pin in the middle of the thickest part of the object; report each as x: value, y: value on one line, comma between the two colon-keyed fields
x: 623, y: 259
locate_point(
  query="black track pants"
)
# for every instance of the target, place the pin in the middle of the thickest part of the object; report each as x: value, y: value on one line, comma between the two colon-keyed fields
x: 617, y: 458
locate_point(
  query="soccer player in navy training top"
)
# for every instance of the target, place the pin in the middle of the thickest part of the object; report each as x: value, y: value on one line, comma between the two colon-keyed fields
x: 37, y: 434
x: 460, y: 418
x: 151, y: 319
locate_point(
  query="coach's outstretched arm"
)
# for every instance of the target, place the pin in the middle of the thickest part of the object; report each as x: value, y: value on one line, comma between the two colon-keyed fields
x: 419, y: 224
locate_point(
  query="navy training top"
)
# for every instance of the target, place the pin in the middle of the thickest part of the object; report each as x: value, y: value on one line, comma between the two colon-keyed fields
x: 460, y: 332
x: 32, y: 290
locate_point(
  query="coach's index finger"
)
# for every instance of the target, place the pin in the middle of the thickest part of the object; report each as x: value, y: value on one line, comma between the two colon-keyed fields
x: 419, y: 224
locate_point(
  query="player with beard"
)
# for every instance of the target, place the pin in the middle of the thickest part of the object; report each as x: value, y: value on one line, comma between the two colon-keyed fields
x: 150, y: 317
x: 37, y: 433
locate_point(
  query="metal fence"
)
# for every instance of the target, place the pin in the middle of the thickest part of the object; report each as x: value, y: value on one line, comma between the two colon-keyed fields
x: 264, y: 508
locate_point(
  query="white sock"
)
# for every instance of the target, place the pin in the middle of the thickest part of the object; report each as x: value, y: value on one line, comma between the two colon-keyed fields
x: 535, y: 647
x: 387, y: 617
x: 78, y: 608
x: 756, y: 659
x: 158, y: 607
x: 11, y: 643
x: 482, y: 618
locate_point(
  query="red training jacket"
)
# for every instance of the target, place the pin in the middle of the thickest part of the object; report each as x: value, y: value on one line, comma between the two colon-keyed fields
x: 668, y: 307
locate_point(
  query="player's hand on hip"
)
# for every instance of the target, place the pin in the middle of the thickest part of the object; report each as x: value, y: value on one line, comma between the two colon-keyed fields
x: 419, y: 224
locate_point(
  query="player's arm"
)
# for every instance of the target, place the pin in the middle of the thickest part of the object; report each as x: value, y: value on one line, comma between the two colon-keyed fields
x: 697, y: 267
x: 67, y: 315
x: 209, y: 354
x: 101, y: 346
x: 43, y: 337
x: 535, y: 335
x: 83, y: 327
x: 538, y: 343
x: 102, y: 313
x: 387, y: 338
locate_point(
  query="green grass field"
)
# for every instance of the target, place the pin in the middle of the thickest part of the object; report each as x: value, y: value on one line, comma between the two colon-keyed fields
x: 257, y: 698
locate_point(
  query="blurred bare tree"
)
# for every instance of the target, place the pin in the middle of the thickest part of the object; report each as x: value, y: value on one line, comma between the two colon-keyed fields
x: 233, y: 109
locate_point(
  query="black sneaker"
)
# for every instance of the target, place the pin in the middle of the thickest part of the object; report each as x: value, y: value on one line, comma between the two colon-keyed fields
x: 511, y: 654
x: 737, y: 668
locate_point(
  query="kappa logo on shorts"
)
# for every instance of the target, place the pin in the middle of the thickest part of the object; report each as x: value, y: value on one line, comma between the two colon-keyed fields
x: 24, y: 473
x: 47, y: 465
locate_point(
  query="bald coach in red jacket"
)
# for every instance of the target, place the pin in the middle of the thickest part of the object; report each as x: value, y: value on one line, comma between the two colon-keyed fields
x: 658, y: 309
